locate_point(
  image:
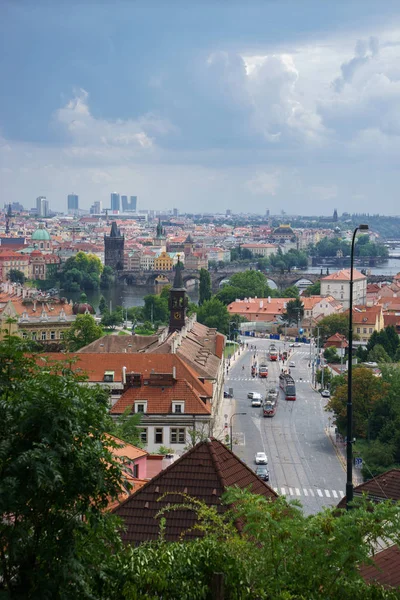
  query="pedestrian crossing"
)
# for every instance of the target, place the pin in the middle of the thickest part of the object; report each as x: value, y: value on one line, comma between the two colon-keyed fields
x: 308, y: 492
x: 254, y: 379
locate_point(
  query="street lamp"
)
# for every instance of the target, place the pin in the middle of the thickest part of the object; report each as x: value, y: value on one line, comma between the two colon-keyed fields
x: 230, y: 426
x: 349, y: 446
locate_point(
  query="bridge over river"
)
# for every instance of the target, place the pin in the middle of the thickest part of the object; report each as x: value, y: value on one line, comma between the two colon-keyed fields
x: 281, y: 280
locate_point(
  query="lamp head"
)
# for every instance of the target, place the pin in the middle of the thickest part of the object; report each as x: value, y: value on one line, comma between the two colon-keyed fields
x: 363, y: 227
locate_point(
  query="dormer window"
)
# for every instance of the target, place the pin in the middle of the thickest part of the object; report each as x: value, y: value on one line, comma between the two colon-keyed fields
x: 109, y: 376
x: 178, y: 408
x: 141, y: 406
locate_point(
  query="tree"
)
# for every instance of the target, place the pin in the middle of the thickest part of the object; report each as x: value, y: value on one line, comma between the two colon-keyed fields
x: 112, y: 319
x: 291, y: 292
x: 294, y: 311
x: 378, y: 354
x: 279, y: 553
x: 205, y: 286
x: 337, y: 323
x: 247, y: 284
x: 57, y: 476
x: 155, y: 308
x: 107, y: 277
x: 81, y: 272
x: 313, y: 289
x: 368, y: 390
x: 102, y: 305
x: 331, y: 355
x: 126, y: 427
x: 214, y: 313
x: 83, y: 331
x: 387, y: 338
x: 16, y: 276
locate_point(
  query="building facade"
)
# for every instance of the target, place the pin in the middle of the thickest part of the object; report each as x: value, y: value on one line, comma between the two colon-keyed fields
x: 338, y: 286
x: 115, y: 202
x: 114, y: 249
x: 73, y: 203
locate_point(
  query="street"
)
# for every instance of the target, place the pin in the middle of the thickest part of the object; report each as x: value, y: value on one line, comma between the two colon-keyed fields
x: 302, y: 461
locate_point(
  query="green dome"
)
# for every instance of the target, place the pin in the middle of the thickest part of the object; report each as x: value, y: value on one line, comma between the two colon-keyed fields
x: 41, y: 235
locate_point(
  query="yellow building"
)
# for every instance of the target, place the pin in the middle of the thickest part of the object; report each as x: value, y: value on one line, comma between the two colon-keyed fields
x: 163, y: 262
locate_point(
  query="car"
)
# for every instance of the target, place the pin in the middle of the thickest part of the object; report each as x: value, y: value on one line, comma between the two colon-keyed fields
x: 297, y: 345
x: 251, y: 395
x: 325, y: 394
x: 291, y: 345
x: 227, y: 395
x: 292, y: 364
x: 262, y: 472
x: 256, y: 401
x: 261, y: 458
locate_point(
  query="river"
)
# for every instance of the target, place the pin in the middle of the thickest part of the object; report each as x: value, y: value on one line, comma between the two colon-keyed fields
x: 128, y: 295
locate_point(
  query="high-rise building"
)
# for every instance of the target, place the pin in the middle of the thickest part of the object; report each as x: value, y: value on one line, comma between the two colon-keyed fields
x: 42, y: 206
x: 95, y: 209
x: 175, y: 212
x: 115, y: 202
x: 228, y: 212
x: 73, y: 203
x: 267, y: 213
x: 128, y: 205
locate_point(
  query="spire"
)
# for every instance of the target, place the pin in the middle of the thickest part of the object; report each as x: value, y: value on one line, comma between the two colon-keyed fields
x: 178, y: 281
x: 114, y: 230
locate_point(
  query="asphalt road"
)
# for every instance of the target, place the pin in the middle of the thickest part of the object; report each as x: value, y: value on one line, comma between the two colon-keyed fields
x: 302, y: 461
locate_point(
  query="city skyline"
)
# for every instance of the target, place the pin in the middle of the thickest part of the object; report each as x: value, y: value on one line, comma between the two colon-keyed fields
x: 293, y: 107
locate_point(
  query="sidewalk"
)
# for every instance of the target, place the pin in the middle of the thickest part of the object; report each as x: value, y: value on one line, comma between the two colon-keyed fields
x: 227, y: 406
x: 340, y: 449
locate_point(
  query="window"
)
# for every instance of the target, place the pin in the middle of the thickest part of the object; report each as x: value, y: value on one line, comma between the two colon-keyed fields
x: 178, y: 408
x: 24, y: 335
x: 34, y: 335
x: 52, y: 335
x: 364, y: 330
x: 370, y: 329
x: 43, y: 335
x: 141, y: 407
x: 109, y: 376
x: 358, y: 330
x: 158, y: 435
x: 61, y: 335
x: 177, y: 435
x: 143, y: 435
x: 136, y: 470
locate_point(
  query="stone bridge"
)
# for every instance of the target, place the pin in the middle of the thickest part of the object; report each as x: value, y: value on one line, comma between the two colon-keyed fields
x: 281, y: 280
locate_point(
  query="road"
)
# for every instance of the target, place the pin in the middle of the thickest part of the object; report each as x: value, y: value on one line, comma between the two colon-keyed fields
x: 302, y: 461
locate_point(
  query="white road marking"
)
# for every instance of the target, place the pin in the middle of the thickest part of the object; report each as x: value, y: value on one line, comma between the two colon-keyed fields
x: 298, y: 491
x: 320, y: 493
x: 290, y: 491
x: 275, y: 490
x: 327, y: 494
x: 312, y: 493
x: 305, y: 492
x: 283, y: 491
x: 341, y: 494
x: 334, y: 493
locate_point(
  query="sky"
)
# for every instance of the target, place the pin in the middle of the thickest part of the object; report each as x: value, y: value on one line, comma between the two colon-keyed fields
x: 204, y: 106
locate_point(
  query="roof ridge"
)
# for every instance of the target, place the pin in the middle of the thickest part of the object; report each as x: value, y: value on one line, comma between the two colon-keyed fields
x: 215, y: 460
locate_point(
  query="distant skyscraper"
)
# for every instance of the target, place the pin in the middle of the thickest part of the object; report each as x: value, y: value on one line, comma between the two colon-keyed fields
x: 42, y: 206
x: 335, y: 216
x: 128, y: 205
x: 115, y: 201
x: 73, y: 203
x: 95, y: 209
x: 228, y: 212
x: 267, y: 212
x: 175, y: 212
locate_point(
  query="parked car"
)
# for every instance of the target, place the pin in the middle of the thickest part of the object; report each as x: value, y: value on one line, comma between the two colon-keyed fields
x: 251, y: 395
x: 291, y: 345
x: 261, y: 458
x: 292, y: 363
x: 262, y: 472
x: 227, y: 395
x: 297, y: 345
x: 325, y: 394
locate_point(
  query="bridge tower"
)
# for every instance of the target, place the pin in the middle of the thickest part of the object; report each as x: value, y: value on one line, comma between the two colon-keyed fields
x: 177, y: 301
x: 114, y: 248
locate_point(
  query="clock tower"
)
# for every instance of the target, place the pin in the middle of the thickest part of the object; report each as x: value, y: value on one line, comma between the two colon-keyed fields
x: 177, y: 301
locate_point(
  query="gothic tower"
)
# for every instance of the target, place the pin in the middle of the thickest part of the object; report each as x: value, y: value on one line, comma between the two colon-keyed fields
x: 177, y: 301
x: 114, y: 249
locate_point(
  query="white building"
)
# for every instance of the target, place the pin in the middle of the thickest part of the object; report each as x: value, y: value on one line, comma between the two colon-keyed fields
x: 338, y: 286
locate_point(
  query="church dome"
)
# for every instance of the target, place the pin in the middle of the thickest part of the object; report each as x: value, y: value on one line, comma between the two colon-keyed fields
x: 41, y: 235
x: 80, y: 308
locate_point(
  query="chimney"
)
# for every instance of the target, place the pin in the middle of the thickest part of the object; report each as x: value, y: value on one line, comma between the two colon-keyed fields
x: 174, y: 372
x: 269, y: 299
x: 123, y: 375
x: 261, y: 303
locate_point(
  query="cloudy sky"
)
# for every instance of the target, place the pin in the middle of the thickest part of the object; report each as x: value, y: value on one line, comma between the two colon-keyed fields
x: 203, y: 105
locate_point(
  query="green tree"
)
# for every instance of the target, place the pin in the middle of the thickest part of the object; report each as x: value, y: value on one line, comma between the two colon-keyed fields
x: 214, y: 313
x: 294, y: 311
x: 291, y: 292
x: 83, y: 331
x: 81, y: 272
x: 102, y: 305
x: 205, y: 286
x: 368, y: 391
x: 313, y: 289
x: 331, y: 355
x: 57, y: 476
x: 336, y: 323
x: 387, y: 338
x: 113, y: 319
x: 247, y: 284
x: 16, y: 276
x: 155, y: 308
x: 107, y: 278
x: 127, y: 427
x: 378, y: 354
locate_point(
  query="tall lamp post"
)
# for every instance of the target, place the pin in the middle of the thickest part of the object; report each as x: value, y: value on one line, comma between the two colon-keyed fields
x: 230, y: 425
x: 349, y: 440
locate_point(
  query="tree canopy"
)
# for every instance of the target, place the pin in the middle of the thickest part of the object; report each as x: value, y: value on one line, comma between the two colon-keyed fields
x: 336, y: 323
x: 83, y: 331
x: 205, y: 286
x: 81, y: 272
x: 294, y: 312
x: 214, y: 313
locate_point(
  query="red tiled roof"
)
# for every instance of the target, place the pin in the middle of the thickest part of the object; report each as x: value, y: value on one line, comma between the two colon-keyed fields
x: 159, y: 399
x: 385, y: 570
x: 203, y: 473
x: 382, y: 487
x: 344, y: 275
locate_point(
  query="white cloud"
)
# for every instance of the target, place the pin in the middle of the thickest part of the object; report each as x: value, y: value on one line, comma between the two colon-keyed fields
x: 265, y: 183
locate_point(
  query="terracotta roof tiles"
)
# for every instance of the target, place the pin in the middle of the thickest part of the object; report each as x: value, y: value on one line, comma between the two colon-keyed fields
x: 382, y: 487
x: 385, y: 570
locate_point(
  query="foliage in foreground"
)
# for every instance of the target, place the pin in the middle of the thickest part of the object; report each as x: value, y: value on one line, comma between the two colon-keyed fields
x: 281, y: 554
